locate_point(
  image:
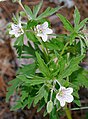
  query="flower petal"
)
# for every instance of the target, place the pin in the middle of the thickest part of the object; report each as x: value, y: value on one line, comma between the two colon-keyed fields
x: 61, y: 99
x: 17, y: 35
x: 45, y: 25
x: 69, y: 90
x: 48, y: 31
x: 44, y: 37
x: 14, y: 26
x: 62, y: 103
x: 11, y: 32
x: 68, y: 98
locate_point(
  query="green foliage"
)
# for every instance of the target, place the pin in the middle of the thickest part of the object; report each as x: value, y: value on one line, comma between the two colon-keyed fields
x: 55, y: 63
x: 40, y: 95
x: 66, y: 23
x: 42, y: 66
x: 14, y: 84
x: 27, y: 69
x: 76, y: 17
x: 33, y: 15
x: 72, y: 66
x: 19, y: 44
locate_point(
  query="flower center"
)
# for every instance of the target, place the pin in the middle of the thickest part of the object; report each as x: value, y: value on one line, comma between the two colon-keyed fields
x: 61, y: 93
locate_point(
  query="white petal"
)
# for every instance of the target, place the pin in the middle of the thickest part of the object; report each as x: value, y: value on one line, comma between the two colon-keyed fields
x: 12, y: 32
x: 39, y: 34
x: 14, y: 26
x: 44, y: 37
x: 48, y: 31
x: 68, y: 98
x: 69, y: 90
x: 62, y: 103
x: 20, y: 25
x: 45, y: 25
x: 38, y: 27
x: 17, y: 35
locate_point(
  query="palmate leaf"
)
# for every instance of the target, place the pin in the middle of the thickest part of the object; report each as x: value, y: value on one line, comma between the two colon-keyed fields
x: 30, y: 80
x: 54, y: 44
x: 14, y: 84
x: 42, y: 66
x: 37, y: 8
x: 81, y: 24
x: 81, y: 80
x: 49, y: 11
x: 73, y: 66
x: 39, y: 96
x: 33, y: 15
x: 66, y: 23
x: 27, y: 69
x: 29, y: 12
x: 28, y: 49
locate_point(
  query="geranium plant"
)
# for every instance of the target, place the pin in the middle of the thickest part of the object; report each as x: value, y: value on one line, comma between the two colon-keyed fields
x: 54, y: 77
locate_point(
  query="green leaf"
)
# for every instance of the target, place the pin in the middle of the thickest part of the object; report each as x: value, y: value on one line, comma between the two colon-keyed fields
x: 76, y: 17
x: 49, y: 11
x: 17, y: 106
x: 37, y: 8
x: 66, y: 23
x: 41, y: 105
x: 31, y: 36
x: 77, y: 102
x: 82, y: 45
x: 34, y: 82
x: 29, y: 12
x: 73, y: 66
x: 72, y: 37
x: 14, y: 84
x: 40, y: 95
x: 27, y: 69
x: 81, y: 80
x: 30, y: 101
x: 31, y: 24
x: 24, y: 95
x: 42, y: 66
x: 54, y: 44
x: 19, y: 44
x: 49, y: 106
x: 28, y: 50
x: 81, y: 25
x: 19, y: 41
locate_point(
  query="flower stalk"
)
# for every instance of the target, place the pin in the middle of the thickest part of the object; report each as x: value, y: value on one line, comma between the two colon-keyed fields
x: 68, y: 113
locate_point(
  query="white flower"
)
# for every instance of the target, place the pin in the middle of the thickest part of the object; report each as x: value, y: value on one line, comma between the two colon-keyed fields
x: 43, y: 31
x: 16, y: 30
x: 64, y: 95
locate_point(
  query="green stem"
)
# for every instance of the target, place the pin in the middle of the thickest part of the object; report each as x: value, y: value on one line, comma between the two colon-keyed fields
x: 68, y: 113
x: 43, y: 49
x: 64, y: 49
x: 23, y: 8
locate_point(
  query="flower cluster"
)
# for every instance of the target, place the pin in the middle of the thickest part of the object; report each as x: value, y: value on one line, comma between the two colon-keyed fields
x: 41, y: 30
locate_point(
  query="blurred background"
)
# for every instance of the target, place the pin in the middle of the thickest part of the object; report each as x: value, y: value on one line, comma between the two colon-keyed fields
x: 8, y: 57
